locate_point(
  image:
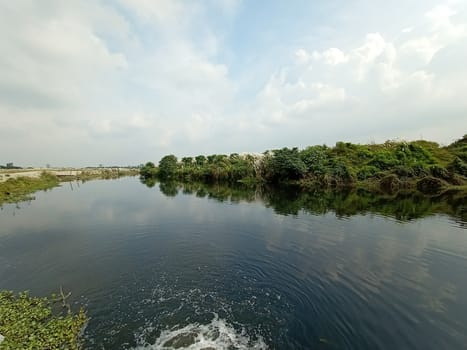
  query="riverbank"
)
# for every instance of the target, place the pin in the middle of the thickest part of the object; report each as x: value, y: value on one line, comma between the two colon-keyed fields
x: 390, y: 167
x: 19, y: 185
x: 67, y: 173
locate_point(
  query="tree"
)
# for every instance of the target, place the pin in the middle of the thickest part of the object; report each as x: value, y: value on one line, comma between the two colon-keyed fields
x: 187, y: 161
x: 315, y: 159
x: 211, y: 158
x: 148, y: 170
x: 200, y: 160
x: 285, y: 164
x: 168, y: 166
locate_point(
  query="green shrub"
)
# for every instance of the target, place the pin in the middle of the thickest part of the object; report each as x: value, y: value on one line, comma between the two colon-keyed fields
x: 342, y: 172
x: 315, y: 159
x: 458, y: 166
x: 366, y: 172
x: 148, y: 170
x: 286, y: 164
x: 384, y: 160
x: 419, y: 153
x: 419, y: 170
x: 439, y: 172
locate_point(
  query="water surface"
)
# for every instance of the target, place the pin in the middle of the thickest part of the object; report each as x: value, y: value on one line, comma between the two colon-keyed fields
x: 196, y: 267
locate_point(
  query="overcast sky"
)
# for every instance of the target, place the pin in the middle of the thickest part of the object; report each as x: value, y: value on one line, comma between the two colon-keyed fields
x: 127, y: 81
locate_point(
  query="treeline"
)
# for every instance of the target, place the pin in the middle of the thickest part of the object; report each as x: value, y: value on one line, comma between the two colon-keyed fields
x: 388, y: 167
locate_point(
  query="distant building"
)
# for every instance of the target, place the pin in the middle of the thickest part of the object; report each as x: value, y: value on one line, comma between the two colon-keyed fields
x: 9, y: 166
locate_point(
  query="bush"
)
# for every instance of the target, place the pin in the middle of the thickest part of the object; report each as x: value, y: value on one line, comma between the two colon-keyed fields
x: 148, y: 170
x: 342, y: 172
x: 366, y: 172
x: 458, y: 166
x: 384, y: 160
x: 439, y: 172
x: 315, y: 159
x: 286, y: 164
x: 419, y: 170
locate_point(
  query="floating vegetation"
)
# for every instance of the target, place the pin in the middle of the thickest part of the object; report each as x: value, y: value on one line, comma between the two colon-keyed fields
x: 28, y: 322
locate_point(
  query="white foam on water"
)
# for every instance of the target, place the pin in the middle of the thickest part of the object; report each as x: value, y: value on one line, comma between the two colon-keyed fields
x: 218, y: 334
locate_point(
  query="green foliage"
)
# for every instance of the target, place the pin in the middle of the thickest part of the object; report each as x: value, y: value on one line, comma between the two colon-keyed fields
x: 148, y: 170
x: 384, y: 160
x: 200, y: 160
x: 168, y: 166
x: 366, y: 171
x: 286, y: 164
x: 187, y: 161
x: 315, y: 159
x: 400, y: 164
x: 439, y: 172
x: 459, y: 148
x: 30, y: 323
x: 19, y: 189
x: 341, y: 172
x: 458, y: 166
x: 211, y: 158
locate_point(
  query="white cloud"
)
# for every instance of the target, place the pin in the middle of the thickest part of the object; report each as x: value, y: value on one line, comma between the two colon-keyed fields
x: 49, y: 59
x: 163, y: 12
x: 332, y: 56
x: 140, y: 121
x: 440, y: 16
x: 423, y: 47
x: 130, y: 81
x: 384, y: 85
x: 302, y: 56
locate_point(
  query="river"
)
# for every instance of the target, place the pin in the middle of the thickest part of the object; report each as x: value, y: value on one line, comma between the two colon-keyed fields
x: 167, y: 266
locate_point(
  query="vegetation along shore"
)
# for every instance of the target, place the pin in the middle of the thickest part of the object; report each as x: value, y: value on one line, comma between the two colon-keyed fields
x: 389, y: 167
x: 19, y: 185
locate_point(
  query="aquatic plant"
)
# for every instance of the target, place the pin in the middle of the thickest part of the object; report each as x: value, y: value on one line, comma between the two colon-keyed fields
x: 28, y: 322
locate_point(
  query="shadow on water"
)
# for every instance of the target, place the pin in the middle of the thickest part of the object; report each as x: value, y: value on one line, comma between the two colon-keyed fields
x: 290, y: 200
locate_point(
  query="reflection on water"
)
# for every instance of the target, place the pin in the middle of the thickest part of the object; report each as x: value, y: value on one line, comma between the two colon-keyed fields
x: 195, y: 266
x: 291, y: 200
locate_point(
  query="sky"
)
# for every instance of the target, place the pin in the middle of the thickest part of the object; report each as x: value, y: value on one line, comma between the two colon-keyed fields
x: 122, y: 82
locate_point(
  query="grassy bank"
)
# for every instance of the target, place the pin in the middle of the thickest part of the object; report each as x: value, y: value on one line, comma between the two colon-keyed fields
x: 106, y: 174
x: 28, y: 322
x: 21, y: 188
